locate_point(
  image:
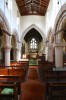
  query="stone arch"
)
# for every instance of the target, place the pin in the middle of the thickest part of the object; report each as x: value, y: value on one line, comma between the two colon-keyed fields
x: 15, y: 34
x: 14, y: 44
x: 4, y: 19
x: 4, y: 24
x: 29, y: 28
x: 61, y: 16
x: 59, y: 25
x: 5, y: 39
x: 50, y: 35
x: 42, y: 34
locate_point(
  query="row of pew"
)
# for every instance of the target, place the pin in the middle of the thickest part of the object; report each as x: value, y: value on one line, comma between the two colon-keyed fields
x: 11, y: 78
x: 44, y: 66
x: 55, y: 80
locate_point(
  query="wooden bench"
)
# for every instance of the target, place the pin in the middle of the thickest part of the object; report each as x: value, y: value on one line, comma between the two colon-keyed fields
x: 54, y: 77
x: 18, y: 71
x: 11, y: 79
x: 3, y: 71
x: 14, y: 71
x: 57, y: 91
x: 45, y: 66
x: 8, y: 95
x: 50, y: 75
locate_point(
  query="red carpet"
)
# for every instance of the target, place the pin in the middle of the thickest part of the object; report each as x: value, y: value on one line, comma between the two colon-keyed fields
x: 33, y: 75
x: 33, y: 89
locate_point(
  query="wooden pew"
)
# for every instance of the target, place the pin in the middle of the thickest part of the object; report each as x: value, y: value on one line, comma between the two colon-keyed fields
x: 11, y: 79
x: 43, y: 66
x: 18, y: 71
x: 57, y: 91
x: 3, y: 71
x: 47, y: 73
x: 8, y: 96
x: 54, y: 77
x: 14, y: 71
x: 21, y: 64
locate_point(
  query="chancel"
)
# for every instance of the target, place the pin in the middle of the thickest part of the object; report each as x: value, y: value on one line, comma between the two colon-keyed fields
x: 32, y: 49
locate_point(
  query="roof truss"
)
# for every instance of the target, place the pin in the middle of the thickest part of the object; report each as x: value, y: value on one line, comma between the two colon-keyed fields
x: 27, y: 7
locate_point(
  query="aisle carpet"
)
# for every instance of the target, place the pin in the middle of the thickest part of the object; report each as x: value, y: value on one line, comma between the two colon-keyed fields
x: 33, y: 89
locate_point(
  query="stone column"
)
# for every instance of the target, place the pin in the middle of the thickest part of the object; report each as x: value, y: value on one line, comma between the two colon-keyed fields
x: 50, y: 53
x: 58, y: 56
x: 59, y: 50
x: 26, y: 49
x: 17, y: 54
x: 14, y: 54
x: 46, y: 50
x: 7, y: 55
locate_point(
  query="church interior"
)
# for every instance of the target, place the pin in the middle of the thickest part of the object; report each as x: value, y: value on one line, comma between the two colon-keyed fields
x: 32, y: 49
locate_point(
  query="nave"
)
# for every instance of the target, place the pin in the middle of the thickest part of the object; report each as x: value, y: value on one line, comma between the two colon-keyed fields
x: 20, y: 81
x: 32, y: 49
x: 33, y: 89
x: 44, y: 83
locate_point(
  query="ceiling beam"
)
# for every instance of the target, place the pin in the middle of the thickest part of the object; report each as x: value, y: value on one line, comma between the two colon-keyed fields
x: 34, y: 6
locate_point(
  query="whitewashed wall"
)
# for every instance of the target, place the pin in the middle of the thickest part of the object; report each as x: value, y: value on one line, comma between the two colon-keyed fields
x: 10, y: 13
x: 43, y: 22
x: 52, y: 12
x: 26, y: 21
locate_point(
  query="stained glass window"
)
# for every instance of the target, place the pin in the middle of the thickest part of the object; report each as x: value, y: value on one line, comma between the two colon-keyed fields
x: 33, y: 43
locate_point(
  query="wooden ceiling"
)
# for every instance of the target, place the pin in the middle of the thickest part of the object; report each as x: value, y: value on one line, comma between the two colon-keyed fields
x: 32, y: 7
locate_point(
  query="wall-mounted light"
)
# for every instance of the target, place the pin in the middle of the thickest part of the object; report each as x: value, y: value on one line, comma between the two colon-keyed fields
x: 19, y: 41
x: 6, y: 2
x: 58, y: 2
x: 46, y: 41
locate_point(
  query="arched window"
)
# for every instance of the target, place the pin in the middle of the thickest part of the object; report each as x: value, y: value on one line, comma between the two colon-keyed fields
x: 33, y: 43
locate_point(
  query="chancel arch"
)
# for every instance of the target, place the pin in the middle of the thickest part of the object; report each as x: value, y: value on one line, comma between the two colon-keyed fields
x: 40, y: 34
x: 32, y: 29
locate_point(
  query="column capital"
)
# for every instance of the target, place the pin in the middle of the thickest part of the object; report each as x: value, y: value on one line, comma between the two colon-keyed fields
x: 50, y: 46
x: 7, y: 48
x: 17, y: 49
x: 59, y: 44
x: 7, y: 55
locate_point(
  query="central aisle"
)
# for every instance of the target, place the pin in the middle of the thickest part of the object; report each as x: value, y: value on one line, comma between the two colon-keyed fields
x: 33, y: 73
x: 33, y: 89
